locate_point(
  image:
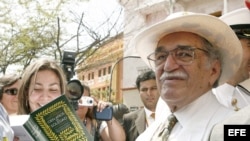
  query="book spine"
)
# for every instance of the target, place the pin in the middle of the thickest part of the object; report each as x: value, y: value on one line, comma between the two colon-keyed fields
x: 34, y: 130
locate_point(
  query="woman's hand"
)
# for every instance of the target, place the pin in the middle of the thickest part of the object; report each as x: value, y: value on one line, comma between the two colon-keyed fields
x: 101, y: 104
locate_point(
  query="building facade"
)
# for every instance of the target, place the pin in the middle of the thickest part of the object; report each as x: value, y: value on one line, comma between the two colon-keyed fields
x: 101, y: 73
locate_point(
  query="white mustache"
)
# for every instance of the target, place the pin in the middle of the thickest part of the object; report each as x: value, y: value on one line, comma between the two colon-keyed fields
x: 173, y: 75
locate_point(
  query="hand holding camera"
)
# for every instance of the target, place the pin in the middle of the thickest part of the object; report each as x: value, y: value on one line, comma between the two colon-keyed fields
x: 103, y: 111
x: 86, y: 101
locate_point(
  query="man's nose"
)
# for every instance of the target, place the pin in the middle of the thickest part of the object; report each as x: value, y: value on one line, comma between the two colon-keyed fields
x: 170, y: 63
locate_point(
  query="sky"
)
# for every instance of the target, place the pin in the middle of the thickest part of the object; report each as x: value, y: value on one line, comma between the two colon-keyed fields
x: 96, y: 11
x: 100, y: 9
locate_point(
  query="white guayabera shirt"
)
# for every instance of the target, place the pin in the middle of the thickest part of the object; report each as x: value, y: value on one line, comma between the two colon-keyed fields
x: 195, y: 121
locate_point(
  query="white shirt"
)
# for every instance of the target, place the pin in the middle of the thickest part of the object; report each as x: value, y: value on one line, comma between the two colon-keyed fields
x: 195, y: 121
x: 149, y: 119
x: 226, y: 93
x: 161, y: 109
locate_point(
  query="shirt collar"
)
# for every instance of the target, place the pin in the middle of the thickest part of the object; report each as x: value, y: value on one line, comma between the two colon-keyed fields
x: 199, y: 105
x: 148, y: 112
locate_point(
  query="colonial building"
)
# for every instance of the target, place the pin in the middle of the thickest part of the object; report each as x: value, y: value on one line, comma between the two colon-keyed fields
x: 101, y: 73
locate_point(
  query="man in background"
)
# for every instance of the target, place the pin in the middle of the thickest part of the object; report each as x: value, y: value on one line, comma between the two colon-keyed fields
x: 137, y: 121
x: 232, y: 94
x: 239, y: 21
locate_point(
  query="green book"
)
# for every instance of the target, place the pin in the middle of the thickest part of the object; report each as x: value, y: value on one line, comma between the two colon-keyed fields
x: 55, y: 121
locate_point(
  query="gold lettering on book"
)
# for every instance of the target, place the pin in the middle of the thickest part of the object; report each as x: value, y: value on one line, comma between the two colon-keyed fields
x: 55, y: 124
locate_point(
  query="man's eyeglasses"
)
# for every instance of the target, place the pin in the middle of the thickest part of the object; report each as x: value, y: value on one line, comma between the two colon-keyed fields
x: 183, y: 55
x: 12, y: 91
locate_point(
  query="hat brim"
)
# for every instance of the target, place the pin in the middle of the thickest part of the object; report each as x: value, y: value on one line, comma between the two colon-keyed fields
x: 211, y: 28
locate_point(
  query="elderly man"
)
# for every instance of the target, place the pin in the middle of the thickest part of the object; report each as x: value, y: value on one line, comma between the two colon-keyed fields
x: 191, y: 53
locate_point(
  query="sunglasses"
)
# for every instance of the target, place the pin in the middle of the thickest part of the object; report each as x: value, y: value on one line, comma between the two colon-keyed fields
x: 12, y: 91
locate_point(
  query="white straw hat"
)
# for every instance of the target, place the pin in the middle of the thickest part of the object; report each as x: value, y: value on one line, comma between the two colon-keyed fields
x: 211, y: 28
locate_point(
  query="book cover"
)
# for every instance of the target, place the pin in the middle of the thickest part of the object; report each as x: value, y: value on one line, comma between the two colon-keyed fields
x: 55, y: 121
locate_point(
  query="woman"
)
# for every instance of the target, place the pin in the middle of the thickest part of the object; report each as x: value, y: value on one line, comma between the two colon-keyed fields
x: 101, y: 130
x: 9, y: 85
x: 42, y: 82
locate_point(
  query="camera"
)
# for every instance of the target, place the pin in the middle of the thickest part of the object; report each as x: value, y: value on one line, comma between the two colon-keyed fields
x: 106, y: 114
x: 74, y: 88
x: 68, y: 63
x: 86, y: 101
x: 74, y: 92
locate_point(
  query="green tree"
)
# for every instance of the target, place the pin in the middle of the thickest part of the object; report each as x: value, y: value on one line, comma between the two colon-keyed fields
x: 38, y: 28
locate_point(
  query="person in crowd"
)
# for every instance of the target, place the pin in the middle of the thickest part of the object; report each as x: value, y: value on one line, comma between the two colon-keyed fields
x: 42, y: 82
x: 6, y: 132
x: 190, y: 56
x: 101, y: 130
x: 9, y: 85
x: 134, y: 123
x: 36, y: 90
x: 239, y: 21
x: 231, y: 94
x: 82, y: 110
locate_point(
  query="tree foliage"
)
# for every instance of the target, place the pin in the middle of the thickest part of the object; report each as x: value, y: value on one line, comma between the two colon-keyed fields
x: 40, y: 29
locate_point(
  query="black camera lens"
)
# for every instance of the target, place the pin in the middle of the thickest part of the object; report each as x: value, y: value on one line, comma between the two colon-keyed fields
x: 90, y: 101
x: 74, y: 90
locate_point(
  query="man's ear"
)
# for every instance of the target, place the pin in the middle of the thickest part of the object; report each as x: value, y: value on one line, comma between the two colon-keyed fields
x: 215, y: 72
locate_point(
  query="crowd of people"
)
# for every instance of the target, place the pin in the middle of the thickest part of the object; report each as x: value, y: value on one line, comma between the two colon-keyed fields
x: 198, y: 62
